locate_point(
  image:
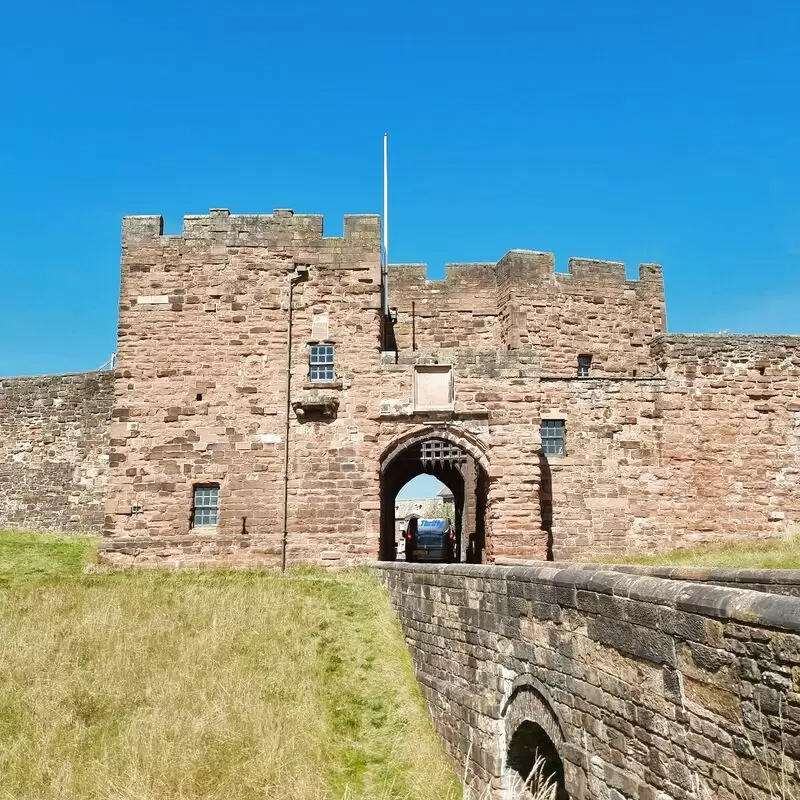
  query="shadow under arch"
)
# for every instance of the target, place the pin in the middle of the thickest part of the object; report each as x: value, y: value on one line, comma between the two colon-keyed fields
x: 533, y: 734
x: 463, y: 469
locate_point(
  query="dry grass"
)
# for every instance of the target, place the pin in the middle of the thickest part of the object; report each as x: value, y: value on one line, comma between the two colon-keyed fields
x: 206, y: 685
x: 777, y: 553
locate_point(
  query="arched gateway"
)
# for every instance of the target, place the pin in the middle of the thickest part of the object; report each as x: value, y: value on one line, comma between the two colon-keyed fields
x: 460, y: 463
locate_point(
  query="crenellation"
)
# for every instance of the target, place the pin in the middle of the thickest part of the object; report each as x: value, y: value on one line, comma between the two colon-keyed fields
x: 592, y: 269
x: 525, y: 266
x: 281, y: 229
x: 137, y: 228
x: 362, y: 228
x: 651, y: 273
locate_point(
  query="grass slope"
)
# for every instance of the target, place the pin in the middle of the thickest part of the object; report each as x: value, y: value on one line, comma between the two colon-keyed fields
x: 778, y: 553
x: 204, y: 685
x: 34, y: 555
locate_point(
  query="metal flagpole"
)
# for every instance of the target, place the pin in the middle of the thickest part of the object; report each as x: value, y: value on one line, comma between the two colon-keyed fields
x: 385, y: 225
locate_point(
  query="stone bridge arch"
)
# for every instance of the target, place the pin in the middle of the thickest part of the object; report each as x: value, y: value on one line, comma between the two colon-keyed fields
x: 467, y: 477
x: 531, y: 730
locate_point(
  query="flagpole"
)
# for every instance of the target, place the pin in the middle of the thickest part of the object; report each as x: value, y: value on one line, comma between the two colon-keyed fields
x: 385, y: 224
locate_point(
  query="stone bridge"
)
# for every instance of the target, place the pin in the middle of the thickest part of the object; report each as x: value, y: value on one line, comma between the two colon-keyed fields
x: 630, y: 686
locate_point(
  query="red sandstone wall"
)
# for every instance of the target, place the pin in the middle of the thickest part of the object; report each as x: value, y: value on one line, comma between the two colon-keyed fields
x: 206, y: 314
x: 606, y: 490
x: 706, y: 450
x: 698, y: 444
x: 522, y: 303
x: 460, y: 311
x: 53, y: 451
x: 591, y: 309
x: 496, y: 407
x: 731, y: 434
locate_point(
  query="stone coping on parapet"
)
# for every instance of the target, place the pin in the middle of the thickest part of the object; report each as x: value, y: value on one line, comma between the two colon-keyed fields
x: 724, y: 603
x: 598, y: 380
x: 793, y: 338
x: 762, y: 580
x: 716, y: 341
x: 54, y: 375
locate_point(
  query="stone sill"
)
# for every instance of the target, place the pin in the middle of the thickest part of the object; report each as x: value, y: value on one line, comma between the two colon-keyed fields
x: 598, y: 380
x: 564, y: 461
x: 322, y: 385
x: 434, y: 414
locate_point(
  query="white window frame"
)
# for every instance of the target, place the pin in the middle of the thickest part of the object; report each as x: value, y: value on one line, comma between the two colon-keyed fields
x: 208, y: 516
x: 322, y: 362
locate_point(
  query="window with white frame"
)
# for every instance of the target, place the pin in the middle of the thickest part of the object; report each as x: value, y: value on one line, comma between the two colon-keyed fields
x: 320, y: 363
x: 553, y: 437
x: 584, y: 365
x: 205, y: 506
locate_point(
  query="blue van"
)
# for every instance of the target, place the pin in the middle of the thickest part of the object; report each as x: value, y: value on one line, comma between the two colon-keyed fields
x: 430, y: 540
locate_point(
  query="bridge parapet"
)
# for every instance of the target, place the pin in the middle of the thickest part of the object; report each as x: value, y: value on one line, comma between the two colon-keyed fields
x: 772, y: 581
x: 646, y: 687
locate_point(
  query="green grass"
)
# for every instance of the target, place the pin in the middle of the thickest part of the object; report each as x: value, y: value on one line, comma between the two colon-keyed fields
x: 180, y: 686
x: 778, y: 553
x: 33, y: 555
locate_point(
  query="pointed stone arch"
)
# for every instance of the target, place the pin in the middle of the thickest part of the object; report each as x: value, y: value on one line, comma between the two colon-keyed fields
x: 459, y: 436
x: 469, y: 482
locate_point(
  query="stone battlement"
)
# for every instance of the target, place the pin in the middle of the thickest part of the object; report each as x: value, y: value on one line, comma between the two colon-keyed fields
x: 281, y: 228
x: 530, y: 267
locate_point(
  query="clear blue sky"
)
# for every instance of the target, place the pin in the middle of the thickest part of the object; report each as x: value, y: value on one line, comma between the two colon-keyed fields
x: 621, y: 130
x: 419, y: 487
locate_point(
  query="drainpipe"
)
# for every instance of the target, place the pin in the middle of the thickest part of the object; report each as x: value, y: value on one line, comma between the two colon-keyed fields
x: 300, y: 274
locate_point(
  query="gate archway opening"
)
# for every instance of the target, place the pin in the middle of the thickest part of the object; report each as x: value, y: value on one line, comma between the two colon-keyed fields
x: 459, y: 470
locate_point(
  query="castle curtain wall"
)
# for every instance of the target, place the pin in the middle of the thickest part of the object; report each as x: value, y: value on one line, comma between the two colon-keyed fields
x: 54, y: 451
x: 668, y: 439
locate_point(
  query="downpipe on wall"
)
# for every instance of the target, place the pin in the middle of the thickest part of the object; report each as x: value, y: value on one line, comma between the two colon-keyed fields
x: 300, y: 274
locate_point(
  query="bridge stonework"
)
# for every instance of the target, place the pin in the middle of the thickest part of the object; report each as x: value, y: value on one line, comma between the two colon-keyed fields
x: 650, y: 689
